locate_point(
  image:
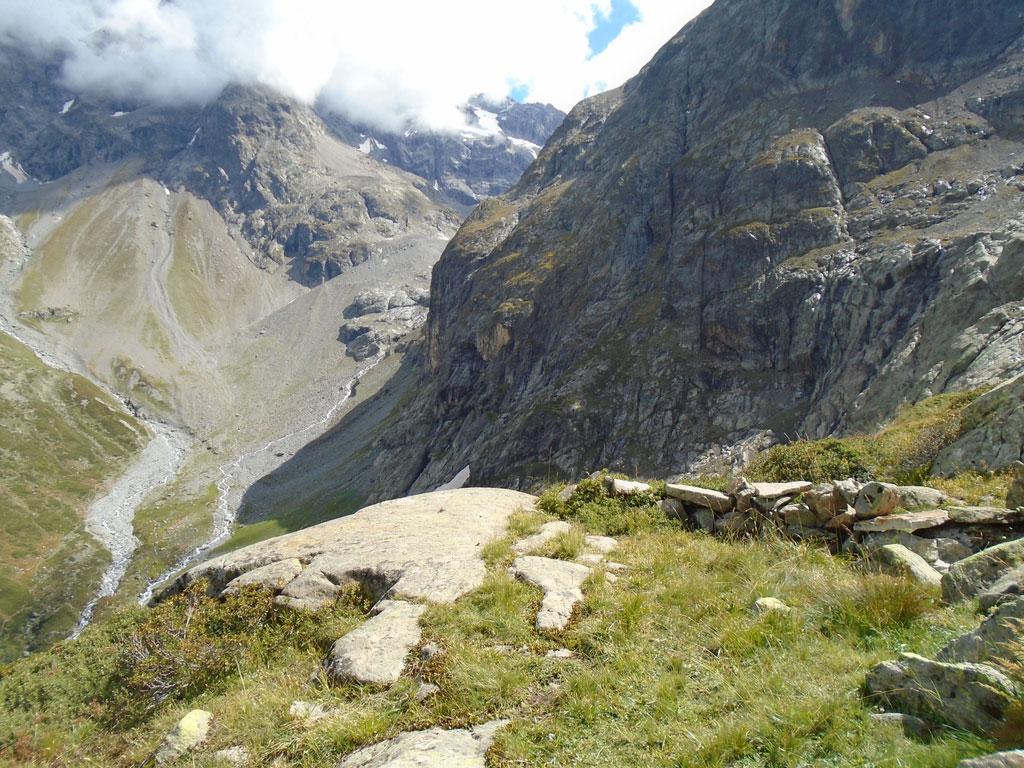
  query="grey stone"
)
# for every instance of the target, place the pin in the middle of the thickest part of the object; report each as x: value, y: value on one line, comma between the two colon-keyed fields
x: 430, y: 651
x: 673, y: 508
x: 973, y: 697
x: 703, y: 519
x: 465, y: 748
x: 602, y: 544
x: 425, y: 691
x: 560, y: 653
x: 190, y: 732
x: 308, y: 713
x: 984, y: 515
x: 848, y: 490
x: 825, y: 500
x: 1005, y: 588
x: 701, y: 497
x: 799, y: 514
x: 912, y: 727
x: 907, y: 522
x: 992, y: 438
x: 899, y: 560
x: 920, y: 497
x: 989, y: 641
x: 237, y: 756
x: 567, y: 492
x: 617, y: 487
x: 375, y: 651
x: 844, y: 521
x: 561, y: 582
x: 775, y: 491
x: 875, y: 499
x: 547, y: 532
x: 1015, y: 496
x: 973, y: 575
x: 426, y: 546
x: 765, y: 605
x: 1012, y: 759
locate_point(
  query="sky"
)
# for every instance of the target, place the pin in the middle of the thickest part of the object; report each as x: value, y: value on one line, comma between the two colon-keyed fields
x: 387, y: 62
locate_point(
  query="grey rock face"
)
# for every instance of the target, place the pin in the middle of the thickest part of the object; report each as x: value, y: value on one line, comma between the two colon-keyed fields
x: 973, y: 575
x: 989, y: 641
x: 465, y: 748
x: 994, y: 433
x: 375, y: 652
x: 973, y: 697
x: 720, y: 266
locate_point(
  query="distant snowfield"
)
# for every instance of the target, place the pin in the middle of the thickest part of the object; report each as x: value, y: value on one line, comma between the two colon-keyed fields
x: 67, y: 106
x: 11, y: 167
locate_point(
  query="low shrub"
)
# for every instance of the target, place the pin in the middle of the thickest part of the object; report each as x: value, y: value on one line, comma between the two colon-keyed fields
x: 598, y: 512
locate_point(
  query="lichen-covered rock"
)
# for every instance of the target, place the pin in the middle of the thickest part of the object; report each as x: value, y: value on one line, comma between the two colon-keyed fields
x: 375, y: 652
x: 547, y: 532
x: 190, y: 732
x: 465, y: 748
x: 619, y: 487
x: 1005, y: 588
x: 973, y: 697
x: 973, y: 575
x: 992, y: 435
x: 765, y: 605
x: 907, y: 522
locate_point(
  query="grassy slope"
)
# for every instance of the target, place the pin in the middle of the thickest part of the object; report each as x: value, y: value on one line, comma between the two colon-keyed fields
x: 63, y: 439
x: 672, y: 668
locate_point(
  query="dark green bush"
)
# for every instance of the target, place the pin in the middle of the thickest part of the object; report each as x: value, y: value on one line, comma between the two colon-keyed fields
x: 817, y: 461
x: 598, y: 512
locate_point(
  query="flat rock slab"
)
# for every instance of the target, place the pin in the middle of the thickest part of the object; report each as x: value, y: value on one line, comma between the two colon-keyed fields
x: 561, y: 582
x: 427, y: 547
x: 1012, y: 759
x: 907, y: 522
x: 984, y: 515
x: 702, y: 497
x: 618, y: 487
x: 776, y: 491
x: 375, y: 652
x: 547, y: 532
x: 972, y: 697
x: 973, y: 575
x: 435, y: 748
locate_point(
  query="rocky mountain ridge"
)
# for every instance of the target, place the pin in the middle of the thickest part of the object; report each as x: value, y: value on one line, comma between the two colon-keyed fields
x: 797, y: 217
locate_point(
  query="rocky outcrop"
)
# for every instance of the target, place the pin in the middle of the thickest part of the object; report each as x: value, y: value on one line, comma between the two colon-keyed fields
x: 425, y: 547
x: 776, y: 228
x: 972, y: 697
x: 465, y: 748
x: 974, y: 575
x: 993, y: 435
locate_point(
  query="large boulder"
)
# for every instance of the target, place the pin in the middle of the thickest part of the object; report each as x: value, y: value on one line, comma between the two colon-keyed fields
x: 975, y: 574
x: 897, y: 559
x: 1005, y: 588
x: 989, y: 641
x: 907, y: 522
x: 425, y: 547
x: 972, y: 697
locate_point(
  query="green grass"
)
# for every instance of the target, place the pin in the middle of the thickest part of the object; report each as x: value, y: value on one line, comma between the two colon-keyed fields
x: 901, y: 452
x: 64, y: 439
x: 671, y: 668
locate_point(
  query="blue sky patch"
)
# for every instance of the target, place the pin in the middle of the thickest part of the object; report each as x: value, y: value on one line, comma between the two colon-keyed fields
x: 608, y: 27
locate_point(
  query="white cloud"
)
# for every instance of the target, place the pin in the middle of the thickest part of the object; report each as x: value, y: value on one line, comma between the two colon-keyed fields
x: 386, y: 61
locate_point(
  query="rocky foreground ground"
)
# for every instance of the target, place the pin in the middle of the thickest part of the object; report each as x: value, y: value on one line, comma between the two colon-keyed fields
x: 408, y: 553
